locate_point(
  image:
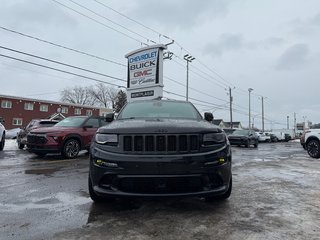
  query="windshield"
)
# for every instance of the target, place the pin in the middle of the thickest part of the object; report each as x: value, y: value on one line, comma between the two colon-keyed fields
x: 46, y: 123
x: 159, y: 109
x: 241, y: 132
x: 71, y: 122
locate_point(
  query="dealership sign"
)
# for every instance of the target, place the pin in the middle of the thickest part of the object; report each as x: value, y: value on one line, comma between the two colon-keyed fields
x: 145, y: 73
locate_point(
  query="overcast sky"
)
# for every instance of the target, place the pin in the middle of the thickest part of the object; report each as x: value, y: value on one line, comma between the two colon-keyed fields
x: 271, y: 46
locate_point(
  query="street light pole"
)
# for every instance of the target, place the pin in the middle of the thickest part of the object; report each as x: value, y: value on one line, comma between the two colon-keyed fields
x: 250, y: 90
x: 231, y: 99
x: 189, y: 59
x: 262, y: 114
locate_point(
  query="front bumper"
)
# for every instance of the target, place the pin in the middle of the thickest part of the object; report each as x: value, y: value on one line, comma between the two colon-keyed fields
x: 238, y: 141
x: 200, y: 174
x: 43, y: 148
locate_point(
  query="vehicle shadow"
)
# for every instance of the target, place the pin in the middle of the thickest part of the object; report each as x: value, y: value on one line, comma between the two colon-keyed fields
x: 151, y: 206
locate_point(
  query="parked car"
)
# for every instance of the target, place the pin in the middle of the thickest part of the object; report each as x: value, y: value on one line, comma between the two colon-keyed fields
x: 12, y: 133
x: 279, y: 136
x: 312, y: 142
x: 303, y: 141
x: 160, y: 148
x: 243, y: 137
x: 273, y: 138
x: 287, y: 137
x: 262, y: 137
x: 228, y: 131
x: 67, y: 137
x: 33, y: 124
x: 2, y: 135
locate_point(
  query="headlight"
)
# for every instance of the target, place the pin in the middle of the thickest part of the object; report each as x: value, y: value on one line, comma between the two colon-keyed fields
x: 214, y: 138
x: 111, y: 139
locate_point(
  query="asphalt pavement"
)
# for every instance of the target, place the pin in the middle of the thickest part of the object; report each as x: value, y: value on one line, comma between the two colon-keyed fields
x: 276, y: 195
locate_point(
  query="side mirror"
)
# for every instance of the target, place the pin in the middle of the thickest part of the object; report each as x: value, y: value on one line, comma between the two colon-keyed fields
x: 109, y: 117
x: 208, y: 116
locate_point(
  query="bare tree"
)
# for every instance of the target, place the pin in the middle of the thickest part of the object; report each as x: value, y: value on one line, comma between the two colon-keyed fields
x: 105, y: 95
x: 121, y: 100
x: 77, y: 95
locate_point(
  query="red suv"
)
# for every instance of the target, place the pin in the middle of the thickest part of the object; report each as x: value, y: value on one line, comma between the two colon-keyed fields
x: 67, y: 137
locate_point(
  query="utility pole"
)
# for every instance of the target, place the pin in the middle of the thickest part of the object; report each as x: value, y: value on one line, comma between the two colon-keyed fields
x: 250, y: 90
x: 295, y: 123
x: 231, y: 99
x: 287, y: 122
x: 188, y: 58
x: 262, y: 114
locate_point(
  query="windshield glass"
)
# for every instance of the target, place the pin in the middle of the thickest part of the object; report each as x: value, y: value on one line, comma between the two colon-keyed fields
x: 160, y: 109
x: 46, y: 124
x: 71, y: 122
x: 241, y: 132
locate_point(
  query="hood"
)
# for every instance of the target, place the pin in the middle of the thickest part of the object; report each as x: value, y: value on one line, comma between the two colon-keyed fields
x: 160, y: 126
x: 237, y: 136
x: 53, y: 129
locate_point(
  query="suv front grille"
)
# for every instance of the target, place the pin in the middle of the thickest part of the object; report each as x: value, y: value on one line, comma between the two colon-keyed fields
x: 182, y: 143
x: 36, y: 139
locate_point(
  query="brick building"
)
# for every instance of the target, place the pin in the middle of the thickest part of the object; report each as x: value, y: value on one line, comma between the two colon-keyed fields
x: 18, y: 111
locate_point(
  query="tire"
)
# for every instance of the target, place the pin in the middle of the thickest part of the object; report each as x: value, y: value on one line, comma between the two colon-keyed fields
x: 313, y: 148
x: 71, y: 148
x: 256, y: 144
x: 224, y: 196
x: 248, y: 144
x: 96, y: 198
x: 20, y: 145
x: 2, y: 142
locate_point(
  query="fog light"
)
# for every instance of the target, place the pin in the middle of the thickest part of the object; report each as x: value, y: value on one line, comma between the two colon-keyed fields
x: 106, y: 164
x: 221, y: 160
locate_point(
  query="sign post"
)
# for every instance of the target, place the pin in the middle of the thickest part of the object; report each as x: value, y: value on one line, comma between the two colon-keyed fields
x: 145, y: 73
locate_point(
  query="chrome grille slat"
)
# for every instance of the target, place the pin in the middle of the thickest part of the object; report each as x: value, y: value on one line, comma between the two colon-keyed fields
x: 171, y: 143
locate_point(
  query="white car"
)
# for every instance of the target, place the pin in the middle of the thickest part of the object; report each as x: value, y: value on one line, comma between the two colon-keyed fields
x: 262, y: 137
x: 312, y: 142
x: 2, y: 136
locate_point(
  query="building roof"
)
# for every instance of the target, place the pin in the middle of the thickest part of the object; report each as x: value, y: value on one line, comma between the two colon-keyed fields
x: 217, y: 121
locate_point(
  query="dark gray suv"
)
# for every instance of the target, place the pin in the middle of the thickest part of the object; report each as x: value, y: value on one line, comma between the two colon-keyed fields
x: 160, y: 148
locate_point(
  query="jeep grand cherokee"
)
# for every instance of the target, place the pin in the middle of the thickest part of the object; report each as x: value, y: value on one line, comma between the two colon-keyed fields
x: 160, y: 148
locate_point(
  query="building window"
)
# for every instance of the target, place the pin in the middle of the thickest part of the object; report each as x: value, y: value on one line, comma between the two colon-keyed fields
x: 77, y: 111
x: 28, y: 106
x: 43, y: 108
x: 64, y: 110
x: 6, y: 104
x: 17, y: 121
x: 89, y: 113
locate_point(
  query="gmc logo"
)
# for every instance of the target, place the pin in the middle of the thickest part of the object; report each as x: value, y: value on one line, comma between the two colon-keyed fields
x: 142, y: 73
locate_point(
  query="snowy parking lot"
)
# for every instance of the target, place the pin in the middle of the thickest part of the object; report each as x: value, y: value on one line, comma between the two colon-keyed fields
x: 275, y: 195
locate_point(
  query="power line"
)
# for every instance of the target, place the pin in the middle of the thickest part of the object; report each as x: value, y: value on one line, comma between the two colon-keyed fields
x: 178, y: 44
x: 101, y: 23
x: 199, y: 75
x: 61, y: 63
x: 71, y: 49
x: 97, y: 14
x: 29, y: 70
x: 196, y: 90
x: 60, y: 70
x: 131, y: 19
x: 61, y: 46
x: 160, y: 34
